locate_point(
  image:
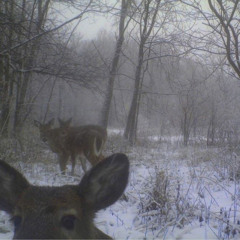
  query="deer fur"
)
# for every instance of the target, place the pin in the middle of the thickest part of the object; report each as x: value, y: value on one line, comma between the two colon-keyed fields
x: 65, y: 212
x: 67, y: 141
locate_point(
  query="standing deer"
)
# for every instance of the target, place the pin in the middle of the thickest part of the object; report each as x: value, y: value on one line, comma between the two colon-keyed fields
x: 66, y: 212
x: 87, y: 140
x: 66, y: 141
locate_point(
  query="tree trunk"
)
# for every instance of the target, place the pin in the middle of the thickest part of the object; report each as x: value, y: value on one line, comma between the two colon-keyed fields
x: 211, y: 127
x: 148, y: 20
x: 6, y: 75
x: 113, y: 71
x: 130, y: 132
x: 29, y: 54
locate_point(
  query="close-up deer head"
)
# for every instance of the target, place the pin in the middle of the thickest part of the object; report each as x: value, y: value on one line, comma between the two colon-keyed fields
x: 66, y: 212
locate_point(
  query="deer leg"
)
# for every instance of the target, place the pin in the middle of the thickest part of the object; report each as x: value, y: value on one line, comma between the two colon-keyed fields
x: 62, y: 162
x: 73, y: 160
x: 92, y: 158
x: 83, y: 163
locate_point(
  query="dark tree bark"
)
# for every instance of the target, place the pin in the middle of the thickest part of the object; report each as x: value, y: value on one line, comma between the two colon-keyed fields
x: 114, y: 66
x: 149, y: 16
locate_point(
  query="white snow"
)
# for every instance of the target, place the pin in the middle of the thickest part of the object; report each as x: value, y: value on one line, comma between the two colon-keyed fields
x: 202, y: 193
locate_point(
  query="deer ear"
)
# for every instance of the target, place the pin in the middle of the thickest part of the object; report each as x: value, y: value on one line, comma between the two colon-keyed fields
x: 36, y: 123
x: 12, y: 184
x: 105, y: 183
x: 50, y: 122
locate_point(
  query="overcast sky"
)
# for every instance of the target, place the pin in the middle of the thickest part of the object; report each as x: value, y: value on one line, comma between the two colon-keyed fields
x: 89, y: 26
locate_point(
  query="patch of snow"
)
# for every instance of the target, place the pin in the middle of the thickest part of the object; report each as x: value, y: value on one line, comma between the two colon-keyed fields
x: 191, y: 171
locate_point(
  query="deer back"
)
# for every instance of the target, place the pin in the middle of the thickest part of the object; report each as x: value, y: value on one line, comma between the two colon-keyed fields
x: 87, y: 139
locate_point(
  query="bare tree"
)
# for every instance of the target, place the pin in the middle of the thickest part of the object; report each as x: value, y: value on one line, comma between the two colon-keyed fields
x: 147, y: 18
x: 220, y: 30
x: 23, y: 26
x: 113, y: 71
x: 189, y: 84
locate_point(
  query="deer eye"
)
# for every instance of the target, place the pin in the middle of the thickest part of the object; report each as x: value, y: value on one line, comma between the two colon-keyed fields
x: 17, y: 220
x: 68, y: 222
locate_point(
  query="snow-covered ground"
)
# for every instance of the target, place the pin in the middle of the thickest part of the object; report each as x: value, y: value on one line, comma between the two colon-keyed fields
x: 174, y: 192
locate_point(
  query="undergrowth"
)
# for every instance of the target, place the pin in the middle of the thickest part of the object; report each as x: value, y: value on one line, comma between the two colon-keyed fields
x: 173, y: 186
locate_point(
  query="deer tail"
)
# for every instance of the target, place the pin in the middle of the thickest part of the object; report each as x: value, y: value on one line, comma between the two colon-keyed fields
x: 98, y: 145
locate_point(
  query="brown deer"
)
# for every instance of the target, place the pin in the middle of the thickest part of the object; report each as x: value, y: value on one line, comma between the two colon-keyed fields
x: 87, y: 140
x: 66, y: 212
x: 66, y: 141
x: 50, y: 136
x: 55, y: 140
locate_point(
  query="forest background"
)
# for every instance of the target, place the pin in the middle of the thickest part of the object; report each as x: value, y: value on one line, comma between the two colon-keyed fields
x: 169, y: 66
